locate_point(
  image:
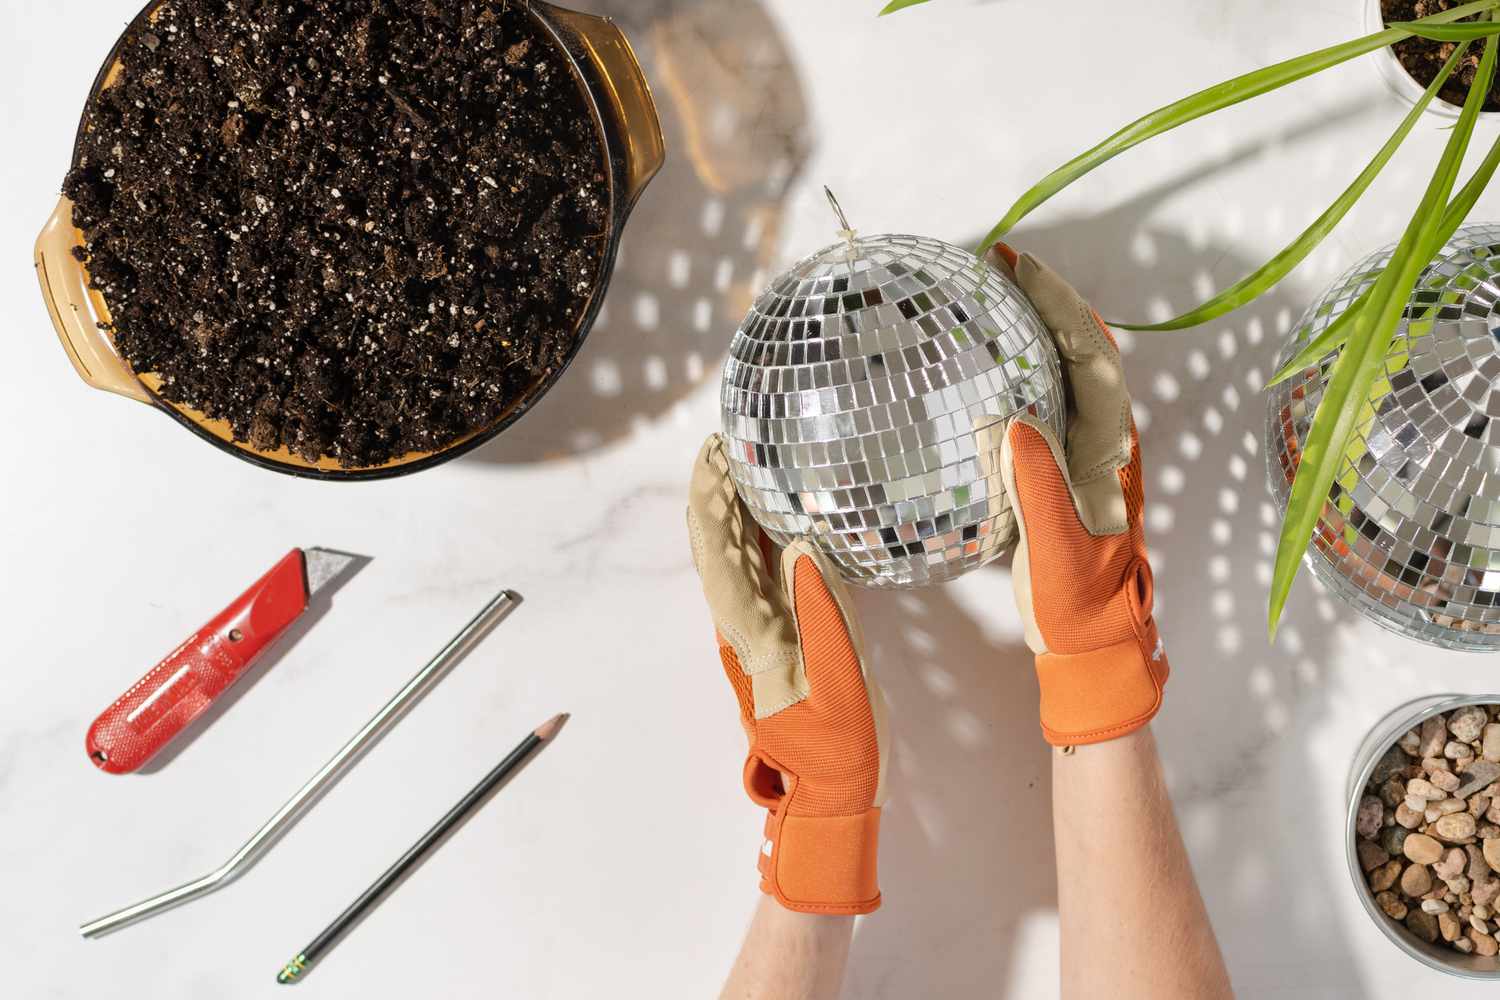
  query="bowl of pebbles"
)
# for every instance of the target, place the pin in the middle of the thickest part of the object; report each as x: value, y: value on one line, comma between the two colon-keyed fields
x: 1424, y: 832
x: 346, y: 241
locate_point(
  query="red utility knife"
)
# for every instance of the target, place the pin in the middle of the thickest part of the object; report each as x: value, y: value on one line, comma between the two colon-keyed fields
x: 178, y: 689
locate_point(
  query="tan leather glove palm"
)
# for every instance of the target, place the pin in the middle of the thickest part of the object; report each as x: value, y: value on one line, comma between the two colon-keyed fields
x: 1082, y: 582
x: 815, y: 721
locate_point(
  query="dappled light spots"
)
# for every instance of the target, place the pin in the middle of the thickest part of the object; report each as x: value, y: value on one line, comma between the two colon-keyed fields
x: 654, y: 371
x: 647, y: 311
x: 1218, y: 568
x: 711, y: 218
x: 605, y: 377
x: 1143, y: 249
x: 1158, y: 517
x: 679, y: 269
x: 1228, y: 346
x: 1142, y: 414
x: 938, y: 680
x: 1198, y: 365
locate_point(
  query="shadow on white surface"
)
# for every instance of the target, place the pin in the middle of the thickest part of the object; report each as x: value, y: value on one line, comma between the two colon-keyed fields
x: 694, y: 252
x: 966, y: 838
x: 967, y: 847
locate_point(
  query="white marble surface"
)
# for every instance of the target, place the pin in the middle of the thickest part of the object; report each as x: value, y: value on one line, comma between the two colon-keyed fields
x: 620, y: 863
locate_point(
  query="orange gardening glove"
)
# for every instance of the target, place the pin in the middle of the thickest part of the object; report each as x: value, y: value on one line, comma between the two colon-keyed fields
x: 816, y: 723
x: 1081, y: 579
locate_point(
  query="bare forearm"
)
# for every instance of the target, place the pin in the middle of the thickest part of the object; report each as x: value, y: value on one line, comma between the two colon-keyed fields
x: 790, y: 956
x: 1133, y: 922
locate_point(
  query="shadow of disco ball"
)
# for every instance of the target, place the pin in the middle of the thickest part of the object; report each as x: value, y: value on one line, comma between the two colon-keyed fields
x: 1410, y: 535
x: 850, y: 396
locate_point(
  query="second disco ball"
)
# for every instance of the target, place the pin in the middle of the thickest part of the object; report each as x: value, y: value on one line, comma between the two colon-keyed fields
x: 850, y: 397
x: 1410, y: 535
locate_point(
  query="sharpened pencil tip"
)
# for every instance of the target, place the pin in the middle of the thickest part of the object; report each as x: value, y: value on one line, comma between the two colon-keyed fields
x: 549, y: 729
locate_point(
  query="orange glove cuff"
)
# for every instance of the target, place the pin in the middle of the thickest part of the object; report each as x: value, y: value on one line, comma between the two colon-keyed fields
x: 822, y: 864
x: 1104, y: 693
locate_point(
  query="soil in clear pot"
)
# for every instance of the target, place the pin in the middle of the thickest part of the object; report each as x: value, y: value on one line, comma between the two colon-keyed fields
x: 353, y: 229
x: 1423, y: 58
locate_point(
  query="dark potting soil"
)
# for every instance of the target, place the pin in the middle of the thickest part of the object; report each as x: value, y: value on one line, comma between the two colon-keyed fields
x: 356, y: 228
x: 1424, y: 59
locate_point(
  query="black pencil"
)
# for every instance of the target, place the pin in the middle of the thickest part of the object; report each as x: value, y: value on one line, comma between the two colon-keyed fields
x: 292, y: 972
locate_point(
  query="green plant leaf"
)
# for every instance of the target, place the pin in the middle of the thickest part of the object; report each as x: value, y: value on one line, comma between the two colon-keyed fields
x: 1468, y: 31
x: 1249, y: 288
x: 1362, y: 360
x: 1205, y: 102
x: 1457, y: 211
x: 1331, y: 339
x: 896, y: 5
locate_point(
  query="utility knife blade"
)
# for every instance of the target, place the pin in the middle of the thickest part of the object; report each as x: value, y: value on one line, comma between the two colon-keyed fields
x: 159, y: 706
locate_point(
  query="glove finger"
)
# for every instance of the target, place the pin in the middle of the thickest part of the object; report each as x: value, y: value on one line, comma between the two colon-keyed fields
x: 1003, y: 258
x: 1100, y: 423
x: 826, y: 627
x: 749, y: 608
x: 989, y: 440
x: 1032, y: 464
x: 848, y: 703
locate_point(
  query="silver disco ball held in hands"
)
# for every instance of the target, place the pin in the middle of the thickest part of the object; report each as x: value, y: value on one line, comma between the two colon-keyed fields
x: 1411, y: 532
x: 850, y: 397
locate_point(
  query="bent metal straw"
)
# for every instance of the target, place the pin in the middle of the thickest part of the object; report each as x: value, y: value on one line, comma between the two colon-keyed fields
x: 292, y: 972
x: 273, y: 828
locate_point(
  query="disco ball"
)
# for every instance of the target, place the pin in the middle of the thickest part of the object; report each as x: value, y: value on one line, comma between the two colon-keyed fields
x: 1410, y: 534
x: 850, y: 396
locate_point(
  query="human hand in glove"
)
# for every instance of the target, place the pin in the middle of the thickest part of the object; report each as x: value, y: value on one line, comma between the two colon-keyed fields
x: 1082, y: 582
x: 815, y: 721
